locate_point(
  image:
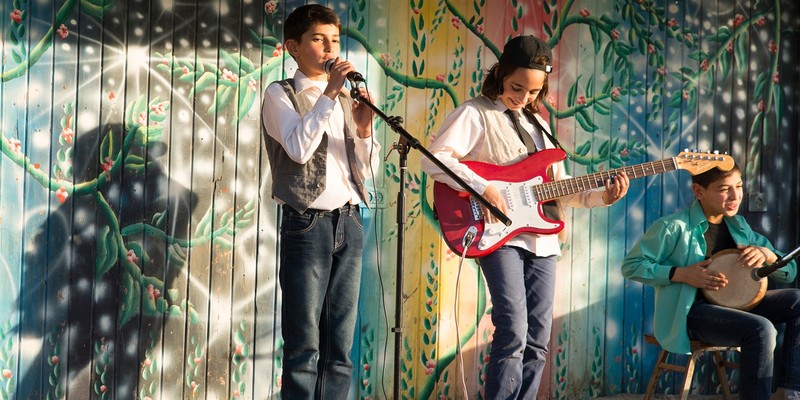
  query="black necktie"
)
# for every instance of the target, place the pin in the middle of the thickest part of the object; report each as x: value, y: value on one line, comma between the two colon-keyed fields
x: 523, y: 134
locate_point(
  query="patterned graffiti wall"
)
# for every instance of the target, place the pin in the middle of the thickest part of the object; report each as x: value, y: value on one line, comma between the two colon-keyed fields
x: 138, y: 237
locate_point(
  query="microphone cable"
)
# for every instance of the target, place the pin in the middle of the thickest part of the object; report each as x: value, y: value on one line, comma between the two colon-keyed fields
x: 469, y: 237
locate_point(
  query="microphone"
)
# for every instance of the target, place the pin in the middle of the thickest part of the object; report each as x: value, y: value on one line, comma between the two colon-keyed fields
x: 758, y: 273
x: 352, y: 75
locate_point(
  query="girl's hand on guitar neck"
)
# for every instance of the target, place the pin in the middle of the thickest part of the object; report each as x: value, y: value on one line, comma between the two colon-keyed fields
x: 756, y: 256
x: 492, y: 194
x: 699, y: 276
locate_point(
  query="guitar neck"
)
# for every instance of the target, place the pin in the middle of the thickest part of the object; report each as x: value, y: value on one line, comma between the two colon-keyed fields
x: 555, y: 189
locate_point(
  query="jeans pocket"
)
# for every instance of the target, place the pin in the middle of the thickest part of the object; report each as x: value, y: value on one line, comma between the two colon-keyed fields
x: 356, y: 216
x: 294, y: 224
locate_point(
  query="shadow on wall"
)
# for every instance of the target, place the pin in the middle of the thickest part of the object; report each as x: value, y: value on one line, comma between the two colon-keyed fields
x: 78, y: 331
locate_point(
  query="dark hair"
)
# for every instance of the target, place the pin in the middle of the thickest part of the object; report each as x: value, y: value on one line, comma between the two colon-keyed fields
x: 493, y: 84
x: 304, y: 17
x: 714, y: 174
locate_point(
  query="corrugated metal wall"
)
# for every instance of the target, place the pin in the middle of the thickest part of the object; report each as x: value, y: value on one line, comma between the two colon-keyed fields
x: 138, y: 237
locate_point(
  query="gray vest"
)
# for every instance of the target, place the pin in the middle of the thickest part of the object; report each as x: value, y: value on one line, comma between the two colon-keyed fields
x: 298, y: 185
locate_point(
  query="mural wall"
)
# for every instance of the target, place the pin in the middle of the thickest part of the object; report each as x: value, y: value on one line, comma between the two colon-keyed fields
x: 138, y: 236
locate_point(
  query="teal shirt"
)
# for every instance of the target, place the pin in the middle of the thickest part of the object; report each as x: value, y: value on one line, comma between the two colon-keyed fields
x: 677, y: 240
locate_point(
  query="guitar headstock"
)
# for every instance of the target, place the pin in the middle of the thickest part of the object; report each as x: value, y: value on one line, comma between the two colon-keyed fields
x: 697, y: 162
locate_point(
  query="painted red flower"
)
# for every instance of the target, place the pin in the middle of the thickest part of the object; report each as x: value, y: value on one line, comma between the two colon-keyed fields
x: 737, y: 20
x: 16, y: 15
x: 271, y: 6
x: 62, y: 31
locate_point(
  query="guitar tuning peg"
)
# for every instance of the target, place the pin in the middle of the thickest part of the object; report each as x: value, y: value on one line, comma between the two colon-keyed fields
x: 694, y: 150
x: 716, y: 152
x: 686, y: 150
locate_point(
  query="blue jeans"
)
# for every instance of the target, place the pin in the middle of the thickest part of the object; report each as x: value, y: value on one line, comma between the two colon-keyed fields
x: 320, y: 276
x: 754, y: 331
x: 522, y: 287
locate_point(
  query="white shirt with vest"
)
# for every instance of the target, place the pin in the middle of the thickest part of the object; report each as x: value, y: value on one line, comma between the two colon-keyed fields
x: 301, y: 135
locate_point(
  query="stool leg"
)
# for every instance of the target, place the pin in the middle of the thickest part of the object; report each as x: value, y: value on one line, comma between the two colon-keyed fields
x: 651, y: 386
x: 687, y: 378
x: 722, y: 374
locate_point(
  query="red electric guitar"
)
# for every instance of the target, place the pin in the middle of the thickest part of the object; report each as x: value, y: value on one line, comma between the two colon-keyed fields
x: 526, y: 186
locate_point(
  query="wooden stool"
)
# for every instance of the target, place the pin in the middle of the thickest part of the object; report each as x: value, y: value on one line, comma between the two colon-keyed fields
x: 697, y: 347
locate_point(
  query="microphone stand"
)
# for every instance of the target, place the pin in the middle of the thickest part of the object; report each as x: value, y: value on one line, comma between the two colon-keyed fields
x: 408, y: 141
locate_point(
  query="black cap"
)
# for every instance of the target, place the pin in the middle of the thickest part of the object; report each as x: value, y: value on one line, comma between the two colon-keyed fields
x: 522, y: 50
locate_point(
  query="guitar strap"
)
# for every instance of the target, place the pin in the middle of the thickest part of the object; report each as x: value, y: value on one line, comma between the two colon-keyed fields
x: 538, y: 125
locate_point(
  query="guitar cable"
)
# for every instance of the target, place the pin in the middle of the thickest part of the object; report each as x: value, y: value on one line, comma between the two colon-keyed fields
x: 469, y: 237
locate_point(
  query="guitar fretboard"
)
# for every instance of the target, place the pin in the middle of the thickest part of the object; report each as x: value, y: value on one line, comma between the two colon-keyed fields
x: 555, y: 189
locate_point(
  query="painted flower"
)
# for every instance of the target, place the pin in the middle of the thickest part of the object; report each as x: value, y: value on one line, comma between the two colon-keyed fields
x: 615, y: 34
x: 365, y: 382
x: 103, y: 388
x: 62, y: 194
x: 773, y: 47
x: 107, y: 165
x: 624, y: 152
x: 581, y: 100
x: 661, y: 70
x: 651, y: 49
x: 271, y: 6
x: 685, y: 94
x: 672, y: 22
x: 415, y: 10
x: 16, y: 15
x: 7, y: 373
x: 761, y: 21
x: 386, y: 58
x: 615, y: 92
x: 776, y: 77
x: 67, y: 134
x: 252, y: 85
x: 479, y: 29
x: 551, y: 100
x: 737, y: 20
x: 366, y: 367
x: 15, y: 144
x: 704, y: 65
x: 762, y: 106
x: 229, y: 75
x: 157, y: 109
x: 688, y: 38
x: 584, y: 12
x: 440, y: 77
x: 131, y: 256
x: 185, y: 70
x: 456, y: 22
x: 729, y: 48
x: 62, y: 31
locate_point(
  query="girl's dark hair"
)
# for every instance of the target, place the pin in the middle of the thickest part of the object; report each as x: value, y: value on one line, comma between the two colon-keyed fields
x: 493, y: 84
x: 714, y: 174
x: 305, y: 17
